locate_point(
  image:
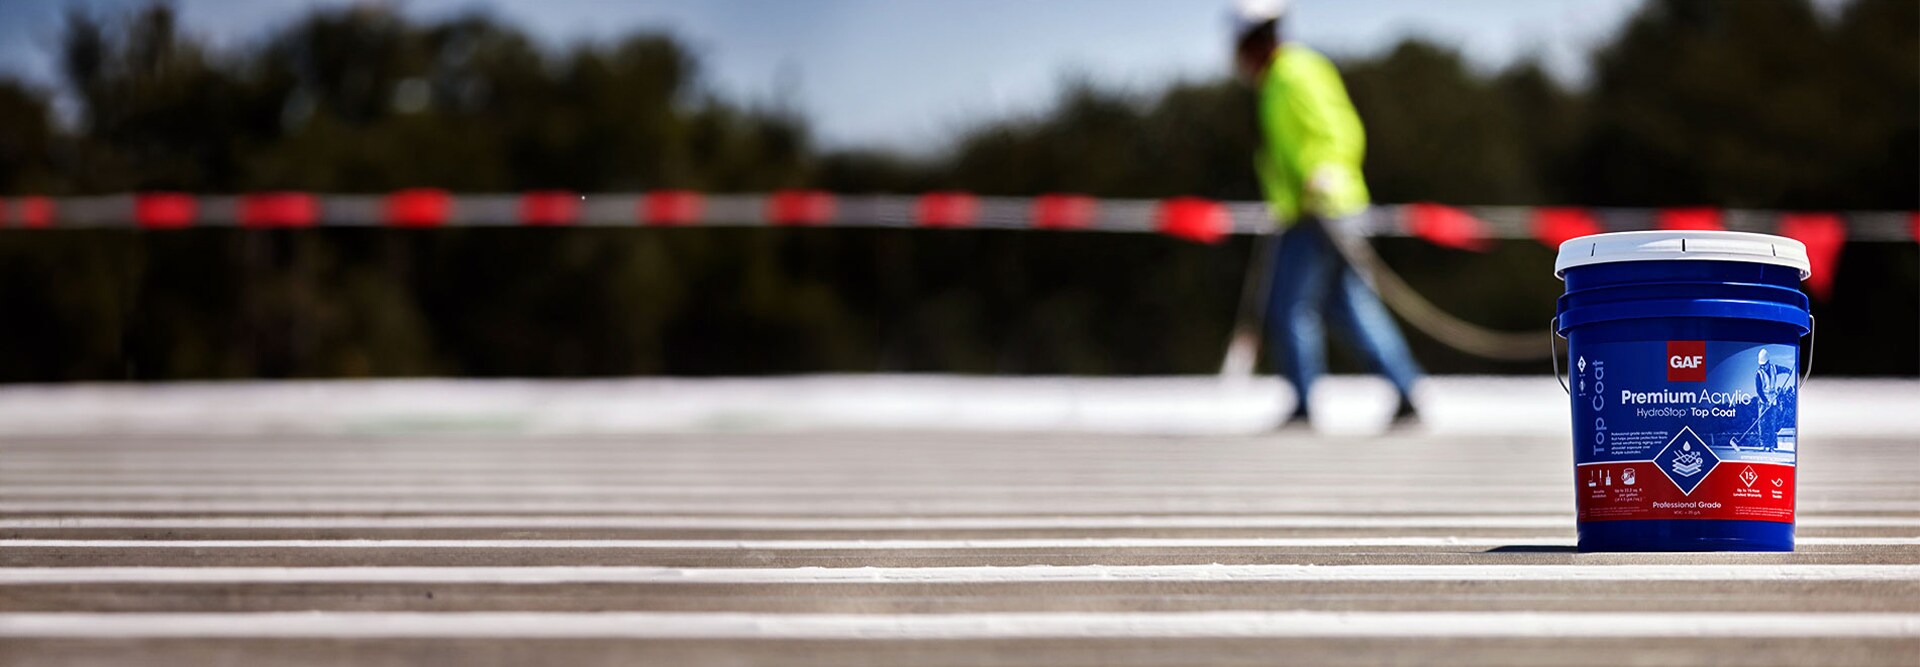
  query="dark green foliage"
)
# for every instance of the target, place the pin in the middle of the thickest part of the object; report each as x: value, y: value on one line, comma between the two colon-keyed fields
x: 1756, y: 103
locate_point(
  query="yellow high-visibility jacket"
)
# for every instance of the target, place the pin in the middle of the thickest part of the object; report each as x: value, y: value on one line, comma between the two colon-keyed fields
x: 1312, y: 136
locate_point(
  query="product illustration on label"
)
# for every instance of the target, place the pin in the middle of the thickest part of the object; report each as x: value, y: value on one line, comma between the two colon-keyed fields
x: 1777, y: 395
x: 1686, y: 460
x: 1687, y: 464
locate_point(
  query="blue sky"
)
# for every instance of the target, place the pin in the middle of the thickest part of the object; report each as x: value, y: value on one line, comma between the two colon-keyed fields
x: 904, y: 74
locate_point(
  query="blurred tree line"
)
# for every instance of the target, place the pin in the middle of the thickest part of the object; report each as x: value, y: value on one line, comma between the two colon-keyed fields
x: 1769, y: 104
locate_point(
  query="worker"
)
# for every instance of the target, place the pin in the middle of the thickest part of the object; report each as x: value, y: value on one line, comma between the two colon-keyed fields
x: 1309, y: 168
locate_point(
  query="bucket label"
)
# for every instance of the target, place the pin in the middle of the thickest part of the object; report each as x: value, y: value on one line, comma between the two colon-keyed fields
x: 1685, y: 430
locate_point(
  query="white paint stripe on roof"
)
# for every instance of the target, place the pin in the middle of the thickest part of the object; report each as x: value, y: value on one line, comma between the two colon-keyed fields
x: 803, y: 523
x: 1181, y: 505
x: 883, y: 627
x: 954, y: 575
x: 881, y: 545
x: 1195, y: 504
x: 669, y: 490
x: 1157, y: 405
x: 32, y: 489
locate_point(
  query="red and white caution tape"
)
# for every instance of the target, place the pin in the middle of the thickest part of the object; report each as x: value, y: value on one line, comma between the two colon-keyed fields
x: 1190, y: 218
x: 1184, y: 217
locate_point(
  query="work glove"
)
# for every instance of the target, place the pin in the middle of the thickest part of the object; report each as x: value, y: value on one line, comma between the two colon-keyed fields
x: 1326, y: 183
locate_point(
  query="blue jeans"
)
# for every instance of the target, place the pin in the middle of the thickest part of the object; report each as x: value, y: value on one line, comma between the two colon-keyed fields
x: 1312, y: 283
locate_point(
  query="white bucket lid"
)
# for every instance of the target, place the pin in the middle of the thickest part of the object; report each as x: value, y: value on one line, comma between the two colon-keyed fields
x: 1682, y: 245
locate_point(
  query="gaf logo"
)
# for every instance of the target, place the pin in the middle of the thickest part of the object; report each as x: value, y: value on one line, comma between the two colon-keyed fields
x: 1686, y: 361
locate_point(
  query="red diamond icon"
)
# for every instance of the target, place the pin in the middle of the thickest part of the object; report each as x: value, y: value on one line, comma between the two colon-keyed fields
x: 1748, y: 476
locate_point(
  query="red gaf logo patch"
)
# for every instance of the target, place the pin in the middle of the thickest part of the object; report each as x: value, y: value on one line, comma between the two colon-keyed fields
x: 1686, y: 361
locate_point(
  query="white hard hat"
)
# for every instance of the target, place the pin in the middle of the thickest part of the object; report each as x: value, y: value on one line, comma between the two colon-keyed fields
x: 1250, y: 14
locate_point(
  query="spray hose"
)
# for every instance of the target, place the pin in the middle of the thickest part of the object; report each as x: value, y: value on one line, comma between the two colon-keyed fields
x: 1430, y: 319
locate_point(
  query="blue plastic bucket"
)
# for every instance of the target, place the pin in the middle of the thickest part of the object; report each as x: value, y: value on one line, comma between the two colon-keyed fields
x: 1683, y: 362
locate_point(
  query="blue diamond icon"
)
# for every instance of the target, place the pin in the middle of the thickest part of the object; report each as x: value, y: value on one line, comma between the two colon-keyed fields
x: 1687, y: 460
